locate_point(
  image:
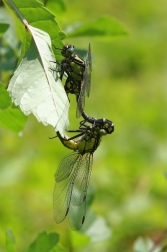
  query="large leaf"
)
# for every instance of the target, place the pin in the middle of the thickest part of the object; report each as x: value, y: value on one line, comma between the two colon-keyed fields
x: 34, y: 88
x: 104, y: 26
x: 44, y: 242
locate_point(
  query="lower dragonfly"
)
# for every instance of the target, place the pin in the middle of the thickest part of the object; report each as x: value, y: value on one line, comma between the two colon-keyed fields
x: 73, y: 174
x: 78, y: 74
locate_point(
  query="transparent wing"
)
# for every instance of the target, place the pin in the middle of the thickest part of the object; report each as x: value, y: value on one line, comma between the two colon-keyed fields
x: 77, y: 208
x: 80, y: 103
x: 88, y: 71
x: 85, y: 85
x: 72, y: 179
x: 64, y: 179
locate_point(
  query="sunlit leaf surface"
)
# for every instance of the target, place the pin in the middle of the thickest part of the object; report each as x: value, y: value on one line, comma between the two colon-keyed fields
x: 34, y: 88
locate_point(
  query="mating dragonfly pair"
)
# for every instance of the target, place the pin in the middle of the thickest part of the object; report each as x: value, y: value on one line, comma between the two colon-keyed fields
x: 73, y: 174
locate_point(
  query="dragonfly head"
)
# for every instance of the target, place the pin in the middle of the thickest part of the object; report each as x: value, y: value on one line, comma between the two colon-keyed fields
x: 106, y: 127
x: 67, y: 50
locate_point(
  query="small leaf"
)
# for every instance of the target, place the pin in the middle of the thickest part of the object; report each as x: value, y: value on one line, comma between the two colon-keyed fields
x: 3, y: 28
x: 34, y: 88
x: 10, y: 240
x: 146, y: 245
x: 104, y: 26
x: 44, y: 242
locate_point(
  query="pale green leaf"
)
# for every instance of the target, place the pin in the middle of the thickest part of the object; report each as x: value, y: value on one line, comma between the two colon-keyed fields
x: 95, y: 227
x: 98, y: 231
x: 34, y: 88
x: 145, y: 245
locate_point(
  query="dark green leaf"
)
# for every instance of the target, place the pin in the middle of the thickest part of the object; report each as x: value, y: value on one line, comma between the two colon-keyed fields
x: 104, y: 26
x: 3, y: 28
x: 44, y: 242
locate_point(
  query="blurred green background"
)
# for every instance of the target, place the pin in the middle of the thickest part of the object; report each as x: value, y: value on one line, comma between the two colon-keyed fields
x: 129, y: 88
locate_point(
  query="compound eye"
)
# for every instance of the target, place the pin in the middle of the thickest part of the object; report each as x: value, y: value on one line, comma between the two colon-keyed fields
x: 70, y: 50
x: 66, y: 46
x: 103, y: 132
x: 109, y: 127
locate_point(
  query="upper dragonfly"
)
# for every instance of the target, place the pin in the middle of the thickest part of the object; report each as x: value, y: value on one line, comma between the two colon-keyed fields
x: 73, y: 174
x: 78, y: 74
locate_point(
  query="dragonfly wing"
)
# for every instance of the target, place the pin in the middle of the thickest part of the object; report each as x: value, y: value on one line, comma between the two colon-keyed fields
x: 64, y: 179
x: 85, y: 85
x: 77, y: 209
x: 80, y: 103
x: 88, y: 71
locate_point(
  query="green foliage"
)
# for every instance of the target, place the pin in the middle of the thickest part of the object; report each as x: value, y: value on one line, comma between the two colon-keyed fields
x: 128, y: 87
x: 10, y: 118
x: 102, y: 27
x: 33, y: 86
x: 44, y: 242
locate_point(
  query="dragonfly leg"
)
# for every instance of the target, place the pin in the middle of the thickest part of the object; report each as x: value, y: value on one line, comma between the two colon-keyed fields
x: 52, y: 137
x: 78, y: 135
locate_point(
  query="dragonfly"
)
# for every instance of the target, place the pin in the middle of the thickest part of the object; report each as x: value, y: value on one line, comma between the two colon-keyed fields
x: 73, y: 174
x: 78, y: 74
